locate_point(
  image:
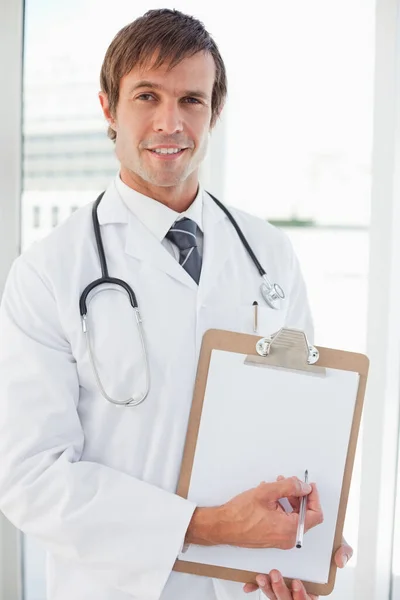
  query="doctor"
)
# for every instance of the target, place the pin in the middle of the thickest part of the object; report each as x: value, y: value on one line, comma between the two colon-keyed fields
x: 92, y: 480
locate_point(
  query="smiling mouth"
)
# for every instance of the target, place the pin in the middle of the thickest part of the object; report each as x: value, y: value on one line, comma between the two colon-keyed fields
x: 168, y: 151
x: 167, y: 154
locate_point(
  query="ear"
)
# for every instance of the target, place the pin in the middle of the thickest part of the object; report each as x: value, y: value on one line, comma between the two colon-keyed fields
x: 106, y: 109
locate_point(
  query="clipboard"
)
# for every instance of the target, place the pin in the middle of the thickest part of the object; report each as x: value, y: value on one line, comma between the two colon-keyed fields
x: 289, y: 353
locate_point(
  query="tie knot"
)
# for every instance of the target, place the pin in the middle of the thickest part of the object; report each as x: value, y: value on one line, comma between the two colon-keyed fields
x: 183, y: 234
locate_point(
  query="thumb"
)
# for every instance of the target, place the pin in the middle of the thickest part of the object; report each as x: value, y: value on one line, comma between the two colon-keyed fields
x: 291, y: 486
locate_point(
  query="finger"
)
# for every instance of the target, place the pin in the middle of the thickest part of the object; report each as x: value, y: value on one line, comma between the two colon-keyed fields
x: 279, y: 586
x: 349, y: 549
x: 298, y: 588
x: 299, y: 591
x: 291, y: 486
x: 313, y: 499
x: 285, y: 502
x: 294, y: 503
x: 264, y: 583
x: 343, y: 554
x: 250, y: 587
x: 314, y: 514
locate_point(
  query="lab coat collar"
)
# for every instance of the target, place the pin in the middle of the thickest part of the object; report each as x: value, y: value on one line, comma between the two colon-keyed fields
x: 111, y: 208
x: 157, y: 217
x: 144, y: 246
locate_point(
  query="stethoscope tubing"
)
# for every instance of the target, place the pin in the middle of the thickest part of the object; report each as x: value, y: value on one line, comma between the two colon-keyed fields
x: 272, y: 294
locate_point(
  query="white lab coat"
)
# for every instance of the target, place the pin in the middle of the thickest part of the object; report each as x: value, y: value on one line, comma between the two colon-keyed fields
x: 95, y: 482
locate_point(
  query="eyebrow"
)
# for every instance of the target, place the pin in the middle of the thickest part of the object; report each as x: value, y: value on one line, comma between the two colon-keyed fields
x: 157, y: 86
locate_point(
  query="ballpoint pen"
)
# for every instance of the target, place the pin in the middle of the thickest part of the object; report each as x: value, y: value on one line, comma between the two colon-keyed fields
x: 302, y: 517
x: 255, y: 326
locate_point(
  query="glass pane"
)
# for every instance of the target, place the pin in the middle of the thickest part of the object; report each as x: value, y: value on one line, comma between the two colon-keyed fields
x: 301, y: 158
x: 337, y: 279
x: 297, y: 148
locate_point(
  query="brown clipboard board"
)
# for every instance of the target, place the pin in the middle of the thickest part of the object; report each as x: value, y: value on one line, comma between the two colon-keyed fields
x: 254, y: 346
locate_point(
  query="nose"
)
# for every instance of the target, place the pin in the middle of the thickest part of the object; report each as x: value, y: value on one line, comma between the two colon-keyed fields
x: 168, y: 118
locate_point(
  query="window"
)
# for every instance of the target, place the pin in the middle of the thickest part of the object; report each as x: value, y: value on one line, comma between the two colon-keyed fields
x: 294, y: 147
x: 54, y: 216
x: 36, y: 217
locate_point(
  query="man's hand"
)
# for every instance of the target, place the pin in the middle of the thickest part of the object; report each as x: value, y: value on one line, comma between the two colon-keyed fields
x: 274, y: 587
x: 343, y: 554
x: 255, y: 518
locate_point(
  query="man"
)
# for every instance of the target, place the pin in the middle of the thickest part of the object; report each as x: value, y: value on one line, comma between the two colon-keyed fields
x: 95, y: 481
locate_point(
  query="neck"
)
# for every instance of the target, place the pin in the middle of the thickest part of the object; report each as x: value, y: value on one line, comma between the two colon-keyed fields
x: 178, y: 197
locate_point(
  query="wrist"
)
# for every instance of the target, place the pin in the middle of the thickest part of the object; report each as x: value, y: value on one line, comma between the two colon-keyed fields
x: 205, y: 527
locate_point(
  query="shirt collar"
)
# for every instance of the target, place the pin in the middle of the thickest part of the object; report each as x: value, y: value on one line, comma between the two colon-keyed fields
x: 154, y: 215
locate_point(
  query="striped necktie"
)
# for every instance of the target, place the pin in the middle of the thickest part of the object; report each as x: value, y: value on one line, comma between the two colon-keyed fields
x: 183, y: 235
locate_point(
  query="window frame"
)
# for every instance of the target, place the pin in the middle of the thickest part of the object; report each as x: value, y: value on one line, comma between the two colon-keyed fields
x: 373, y: 577
x: 11, y: 61
x: 373, y: 573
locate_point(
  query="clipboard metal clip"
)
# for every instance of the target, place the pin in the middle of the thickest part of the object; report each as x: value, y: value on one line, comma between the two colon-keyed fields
x: 294, y: 339
x: 288, y: 348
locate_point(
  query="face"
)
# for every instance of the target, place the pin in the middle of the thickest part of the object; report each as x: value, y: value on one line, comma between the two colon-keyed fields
x: 163, y: 121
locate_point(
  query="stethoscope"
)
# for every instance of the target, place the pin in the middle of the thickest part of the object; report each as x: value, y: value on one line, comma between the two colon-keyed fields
x: 271, y: 292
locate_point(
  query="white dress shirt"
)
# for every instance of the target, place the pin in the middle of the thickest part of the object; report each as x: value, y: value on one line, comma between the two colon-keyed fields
x: 159, y: 218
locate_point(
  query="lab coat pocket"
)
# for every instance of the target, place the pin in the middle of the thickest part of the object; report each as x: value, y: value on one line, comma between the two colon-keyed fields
x: 241, y: 319
x: 116, y: 345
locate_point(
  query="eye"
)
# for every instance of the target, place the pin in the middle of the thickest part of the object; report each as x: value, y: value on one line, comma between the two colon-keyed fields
x: 190, y: 100
x: 145, y: 97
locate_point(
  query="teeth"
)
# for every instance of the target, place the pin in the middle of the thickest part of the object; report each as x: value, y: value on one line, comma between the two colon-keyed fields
x: 167, y: 150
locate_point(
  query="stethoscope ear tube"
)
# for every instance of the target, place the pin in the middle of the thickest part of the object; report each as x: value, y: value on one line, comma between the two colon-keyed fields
x: 272, y: 294
x: 101, y: 281
x: 134, y: 400
x: 105, y: 278
x: 241, y: 235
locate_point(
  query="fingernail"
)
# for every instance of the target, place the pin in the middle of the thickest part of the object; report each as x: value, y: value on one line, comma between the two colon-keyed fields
x: 296, y: 586
x: 275, y: 577
x: 345, y: 559
x: 261, y: 580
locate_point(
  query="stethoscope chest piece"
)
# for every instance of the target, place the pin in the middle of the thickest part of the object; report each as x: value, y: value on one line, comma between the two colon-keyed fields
x: 272, y: 293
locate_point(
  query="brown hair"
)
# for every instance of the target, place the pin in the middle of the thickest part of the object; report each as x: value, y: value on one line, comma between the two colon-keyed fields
x: 174, y: 36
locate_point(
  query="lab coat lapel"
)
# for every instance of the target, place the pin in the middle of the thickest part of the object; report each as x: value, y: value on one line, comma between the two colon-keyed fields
x: 140, y: 243
x: 217, y: 242
x: 144, y: 246
x: 111, y: 208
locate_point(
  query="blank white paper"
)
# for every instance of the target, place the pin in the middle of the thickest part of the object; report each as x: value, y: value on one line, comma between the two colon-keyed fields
x: 258, y: 423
